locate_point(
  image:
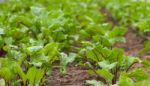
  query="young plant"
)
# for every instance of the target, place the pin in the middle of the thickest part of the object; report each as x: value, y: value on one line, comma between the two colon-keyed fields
x: 110, y: 65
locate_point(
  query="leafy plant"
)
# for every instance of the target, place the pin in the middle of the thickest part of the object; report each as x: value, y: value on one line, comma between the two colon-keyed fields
x: 110, y: 65
x: 35, y: 34
x: 64, y: 60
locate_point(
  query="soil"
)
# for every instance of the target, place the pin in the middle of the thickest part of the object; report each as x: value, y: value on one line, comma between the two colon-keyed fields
x: 133, y: 44
x: 75, y: 76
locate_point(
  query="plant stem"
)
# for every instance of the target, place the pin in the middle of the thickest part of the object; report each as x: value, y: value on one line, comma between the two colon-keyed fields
x: 130, y: 66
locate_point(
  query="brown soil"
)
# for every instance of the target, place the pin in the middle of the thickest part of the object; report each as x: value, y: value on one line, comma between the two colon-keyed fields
x: 75, y: 76
x: 133, y: 43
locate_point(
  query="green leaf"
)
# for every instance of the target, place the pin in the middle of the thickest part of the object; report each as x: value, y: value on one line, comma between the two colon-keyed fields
x: 36, y: 10
x: 142, y: 83
x: 116, y: 35
x: 146, y: 47
x: 116, y: 55
x: 105, y: 73
x: 8, y: 40
x: 7, y: 70
x: 39, y: 76
x: 105, y: 42
x: 34, y: 76
x: 132, y: 60
x: 144, y: 25
x: 95, y: 83
x: 97, y: 52
x: 20, y: 72
x: 1, y: 42
x: 1, y: 31
x: 65, y: 59
x: 31, y: 75
x: 51, y: 49
x: 91, y: 54
x: 138, y: 74
x: 124, y: 80
x: 128, y: 61
x: 146, y: 63
x: 6, y: 73
x: 117, y: 31
x: 117, y: 39
x: 106, y: 65
x: 33, y: 49
x: 2, y: 82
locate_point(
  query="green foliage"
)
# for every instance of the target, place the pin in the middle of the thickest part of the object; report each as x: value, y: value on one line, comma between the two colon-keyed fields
x: 142, y: 83
x: 146, y: 63
x: 35, y: 34
x: 116, y: 34
x: 107, y: 65
x: 138, y: 74
x: 8, y: 71
x: 106, y: 74
x: 113, y: 64
x: 145, y: 48
x: 65, y: 59
x: 2, y: 82
x: 34, y: 76
x: 124, y: 80
x: 95, y: 83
